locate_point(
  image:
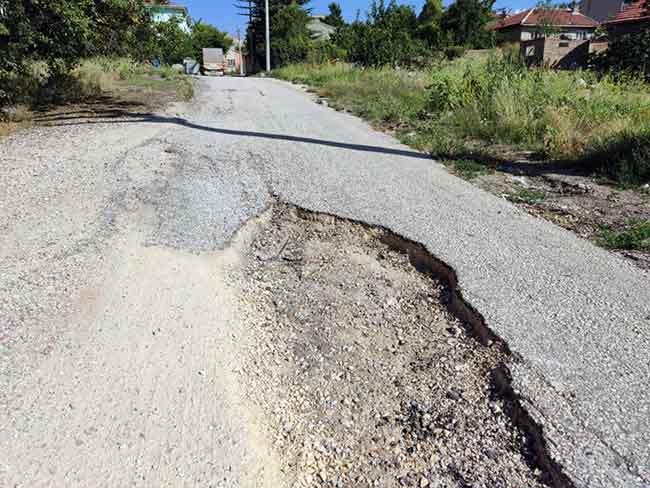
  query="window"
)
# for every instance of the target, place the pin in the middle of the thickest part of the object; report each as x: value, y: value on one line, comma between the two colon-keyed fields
x: 231, y: 63
x: 530, y: 51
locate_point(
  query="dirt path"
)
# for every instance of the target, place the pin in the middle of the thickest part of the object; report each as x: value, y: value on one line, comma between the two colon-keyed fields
x: 140, y: 345
x: 366, y: 378
x: 146, y: 392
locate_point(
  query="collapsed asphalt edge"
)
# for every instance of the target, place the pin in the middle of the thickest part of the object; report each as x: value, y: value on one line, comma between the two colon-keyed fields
x: 424, y: 262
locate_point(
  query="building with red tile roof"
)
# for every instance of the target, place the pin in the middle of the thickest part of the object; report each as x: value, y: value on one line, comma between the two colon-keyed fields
x: 531, y: 24
x: 632, y: 18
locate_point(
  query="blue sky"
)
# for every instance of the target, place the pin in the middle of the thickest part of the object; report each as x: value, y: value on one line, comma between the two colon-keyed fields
x: 222, y: 14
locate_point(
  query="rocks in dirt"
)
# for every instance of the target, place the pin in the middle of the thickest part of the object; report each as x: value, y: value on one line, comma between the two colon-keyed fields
x: 365, y: 377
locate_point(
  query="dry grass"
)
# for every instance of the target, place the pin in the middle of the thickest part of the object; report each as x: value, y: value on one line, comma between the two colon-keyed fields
x: 120, y: 79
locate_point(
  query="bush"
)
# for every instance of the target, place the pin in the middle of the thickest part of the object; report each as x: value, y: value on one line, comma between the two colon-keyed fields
x: 564, y: 114
x: 389, y: 37
x: 636, y: 236
x: 624, y: 156
x: 629, y: 53
x: 454, y: 52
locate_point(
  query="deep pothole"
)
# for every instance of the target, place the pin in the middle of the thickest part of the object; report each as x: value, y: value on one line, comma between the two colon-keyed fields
x: 366, y: 363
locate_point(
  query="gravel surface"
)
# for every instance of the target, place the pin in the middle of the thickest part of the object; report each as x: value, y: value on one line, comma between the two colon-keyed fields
x: 366, y: 378
x: 106, y: 222
x: 576, y: 317
x: 119, y: 344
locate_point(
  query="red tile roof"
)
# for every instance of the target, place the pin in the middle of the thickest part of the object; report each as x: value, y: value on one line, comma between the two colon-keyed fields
x: 635, y: 12
x: 539, y: 16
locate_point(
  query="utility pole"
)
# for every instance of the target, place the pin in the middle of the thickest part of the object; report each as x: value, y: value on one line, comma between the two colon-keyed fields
x: 268, y: 37
x: 241, y: 55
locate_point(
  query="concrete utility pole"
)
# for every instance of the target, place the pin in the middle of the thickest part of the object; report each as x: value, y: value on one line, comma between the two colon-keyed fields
x: 268, y: 37
x: 241, y: 54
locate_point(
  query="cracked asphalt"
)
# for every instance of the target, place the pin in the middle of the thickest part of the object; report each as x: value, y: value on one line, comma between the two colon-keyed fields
x: 575, y: 317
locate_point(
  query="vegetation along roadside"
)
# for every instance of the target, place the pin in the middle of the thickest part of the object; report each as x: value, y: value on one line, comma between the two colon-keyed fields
x: 104, y: 54
x: 572, y: 147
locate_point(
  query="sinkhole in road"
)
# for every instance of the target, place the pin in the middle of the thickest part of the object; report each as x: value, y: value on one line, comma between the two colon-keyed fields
x: 370, y: 367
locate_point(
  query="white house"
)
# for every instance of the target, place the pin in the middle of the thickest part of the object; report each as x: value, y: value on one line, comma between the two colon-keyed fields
x: 166, y: 12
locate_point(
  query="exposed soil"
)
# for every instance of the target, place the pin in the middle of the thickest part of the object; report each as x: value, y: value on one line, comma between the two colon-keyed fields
x: 578, y: 202
x: 123, y: 100
x: 365, y: 376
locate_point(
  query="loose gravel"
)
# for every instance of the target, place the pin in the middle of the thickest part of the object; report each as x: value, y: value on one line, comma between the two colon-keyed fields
x: 366, y: 378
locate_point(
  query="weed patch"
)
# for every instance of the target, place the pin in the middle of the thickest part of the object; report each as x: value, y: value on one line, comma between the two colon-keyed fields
x: 635, y: 237
x: 467, y: 104
x: 527, y: 196
x: 467, y: 169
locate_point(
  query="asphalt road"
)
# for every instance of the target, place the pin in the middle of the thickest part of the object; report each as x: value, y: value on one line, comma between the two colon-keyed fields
x: 575, y: 317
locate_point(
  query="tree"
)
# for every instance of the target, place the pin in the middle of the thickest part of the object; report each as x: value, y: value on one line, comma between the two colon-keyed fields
x: 547, y: 24
x: 629, y: 53
x: 206, y: 35
x: 429, y: 28
x: 57, y: 31
x: 387, y: 37
x: 256, y: 28
x: 120, y: 27
x: 291, y: 37
x: 171, y: 43
x: 335, y: 16
x: 464, y: 23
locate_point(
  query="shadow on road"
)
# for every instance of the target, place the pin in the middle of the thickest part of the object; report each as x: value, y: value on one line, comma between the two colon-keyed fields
x: 115, y: 113
x: 124, y: 116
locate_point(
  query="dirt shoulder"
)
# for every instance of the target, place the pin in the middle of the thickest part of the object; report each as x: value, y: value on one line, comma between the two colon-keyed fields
x: 138, y: 94
x: 611, y: 216
x: 367, y: 380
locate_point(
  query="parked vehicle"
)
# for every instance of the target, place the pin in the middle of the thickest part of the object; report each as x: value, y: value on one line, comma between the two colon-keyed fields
x: 214, y: 62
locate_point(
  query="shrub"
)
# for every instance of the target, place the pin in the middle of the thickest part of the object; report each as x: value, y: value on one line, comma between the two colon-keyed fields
x: 624, y: 156
x: 627, y: 53
x: 635, y: 237
x: 454, y: 52
x: 564, y: 114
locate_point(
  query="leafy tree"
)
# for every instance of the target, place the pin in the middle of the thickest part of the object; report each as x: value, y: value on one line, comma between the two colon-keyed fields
x: 429, y: 28
x: 291, y: 37
x: 629, y: 53
x: 170, y: 43
x: 57, y: 31
x: 256, y: 27
x: 206, y: 35
x: 335, y: 16
x: 120, y: 27
x: 547, y: 25
x: 387, y: 37
x: 465, y: 21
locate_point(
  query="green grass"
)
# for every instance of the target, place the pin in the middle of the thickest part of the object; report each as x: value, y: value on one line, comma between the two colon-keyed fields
x: 385, y: 97
x: 466, y: 168
x: 635, y: 237
x: 469, y: 105
x: 530, y: 197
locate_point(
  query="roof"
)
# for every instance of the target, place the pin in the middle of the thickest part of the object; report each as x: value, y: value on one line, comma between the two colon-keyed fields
x: 319, y: 29
x: 166, y: 6
x: 539, y: 16
x: 636, y: 12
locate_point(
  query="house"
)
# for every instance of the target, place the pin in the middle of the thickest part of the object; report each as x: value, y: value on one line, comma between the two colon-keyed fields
x: 602, y: 10
x: 234, y: 60
x: 631, y: 19
x: 165, y: 12
x: 535, y: 23
x: 319, y: 30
